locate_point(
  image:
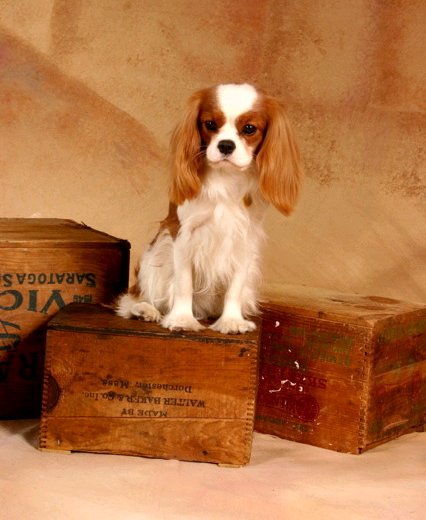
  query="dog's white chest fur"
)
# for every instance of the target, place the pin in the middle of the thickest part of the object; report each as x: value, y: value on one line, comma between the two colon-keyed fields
x: 215, y: 237
x: 218, y: 238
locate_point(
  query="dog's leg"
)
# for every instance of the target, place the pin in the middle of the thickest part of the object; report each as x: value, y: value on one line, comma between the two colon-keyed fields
x: 181, y: 315
x: 232, y: 320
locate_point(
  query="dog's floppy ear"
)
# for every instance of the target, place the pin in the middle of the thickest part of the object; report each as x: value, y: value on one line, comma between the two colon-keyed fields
x: 278, y: 160
x: 186, y: 157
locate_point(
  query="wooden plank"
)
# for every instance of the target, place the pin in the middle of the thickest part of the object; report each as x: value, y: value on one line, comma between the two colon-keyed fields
x: 36, y: 233
x: 210, y: 440
x: 95, y: 319
x: 335, y: 306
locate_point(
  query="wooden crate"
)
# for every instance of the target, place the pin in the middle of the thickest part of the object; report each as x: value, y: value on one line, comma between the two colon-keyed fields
x: 45, y: 264
x: 129, y: 387
x: 343, y: 372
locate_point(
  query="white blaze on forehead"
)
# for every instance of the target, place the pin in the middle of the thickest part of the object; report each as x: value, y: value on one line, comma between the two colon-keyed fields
x: 234, y: 100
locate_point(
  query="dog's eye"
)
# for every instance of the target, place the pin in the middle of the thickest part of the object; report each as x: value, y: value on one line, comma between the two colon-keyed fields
x: 249, y: 129
x: 211, y: 126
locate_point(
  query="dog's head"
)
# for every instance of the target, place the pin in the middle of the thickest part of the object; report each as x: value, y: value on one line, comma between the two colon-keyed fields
x: 236, y: 127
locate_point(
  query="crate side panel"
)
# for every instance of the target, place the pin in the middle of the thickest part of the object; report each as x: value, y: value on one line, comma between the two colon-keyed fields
x: 397, y: 403
x: 121, y: 376
x: 313, y: 380
x: 301, y: 342
x: 200, y: 391
x: 400, y: 341
x: 35, y: 285
x: 310, y: 406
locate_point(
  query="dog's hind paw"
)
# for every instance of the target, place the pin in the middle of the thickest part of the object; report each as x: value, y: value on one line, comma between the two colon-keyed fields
x: 145, y: 311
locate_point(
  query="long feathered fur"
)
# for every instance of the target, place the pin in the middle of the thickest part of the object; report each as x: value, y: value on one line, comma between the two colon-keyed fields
x: 232, y: 155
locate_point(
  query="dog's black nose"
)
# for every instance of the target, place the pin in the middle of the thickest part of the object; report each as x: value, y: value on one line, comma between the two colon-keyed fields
x: 226, y: 146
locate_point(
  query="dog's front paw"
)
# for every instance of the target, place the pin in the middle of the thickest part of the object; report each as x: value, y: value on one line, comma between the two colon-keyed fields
x: 181, y: 322
x: 233, y: 325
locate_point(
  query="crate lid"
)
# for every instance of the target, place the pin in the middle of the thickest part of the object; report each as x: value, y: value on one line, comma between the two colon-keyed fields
x: 336, y: 306
x: 100, y: 319
x: 45, y: 232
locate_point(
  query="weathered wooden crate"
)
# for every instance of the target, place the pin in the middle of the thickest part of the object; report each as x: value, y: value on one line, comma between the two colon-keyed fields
x: 45, y: 264
x: 129, y: 387
x: 343, y: 372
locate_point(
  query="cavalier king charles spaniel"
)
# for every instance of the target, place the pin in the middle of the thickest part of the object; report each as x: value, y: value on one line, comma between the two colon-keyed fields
x: 232, y: 155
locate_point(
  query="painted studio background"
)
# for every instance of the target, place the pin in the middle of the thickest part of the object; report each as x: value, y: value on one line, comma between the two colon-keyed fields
x: 90, y: 91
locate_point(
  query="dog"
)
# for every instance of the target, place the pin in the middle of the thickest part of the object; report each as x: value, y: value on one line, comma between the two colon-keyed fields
x: 232, y: 155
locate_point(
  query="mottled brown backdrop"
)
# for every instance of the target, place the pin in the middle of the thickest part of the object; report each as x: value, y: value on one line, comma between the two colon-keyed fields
x: 90, y: 90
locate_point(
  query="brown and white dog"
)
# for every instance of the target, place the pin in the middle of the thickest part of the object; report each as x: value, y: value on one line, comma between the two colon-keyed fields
x: 233, y: 153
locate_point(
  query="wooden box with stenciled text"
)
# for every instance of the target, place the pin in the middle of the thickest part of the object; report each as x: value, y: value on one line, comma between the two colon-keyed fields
x: 129, y: 387
x: 45, y: 264
x: 343, y: 372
